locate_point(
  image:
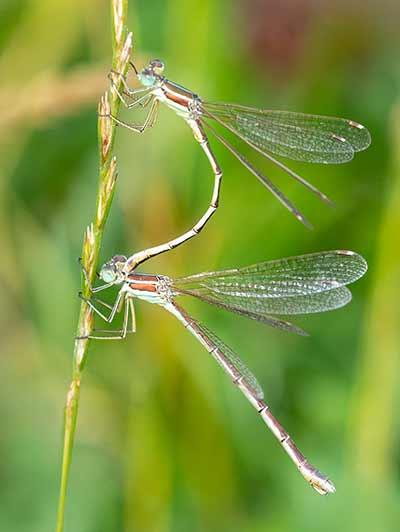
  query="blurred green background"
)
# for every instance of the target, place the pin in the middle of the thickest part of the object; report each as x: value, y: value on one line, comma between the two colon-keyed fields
x: 164, y: 441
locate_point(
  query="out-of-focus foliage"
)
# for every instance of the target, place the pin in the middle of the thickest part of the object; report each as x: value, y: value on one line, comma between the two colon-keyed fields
x: 164, y: 441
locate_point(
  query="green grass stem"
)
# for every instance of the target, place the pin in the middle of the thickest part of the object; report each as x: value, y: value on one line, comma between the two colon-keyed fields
x: 109, y: 103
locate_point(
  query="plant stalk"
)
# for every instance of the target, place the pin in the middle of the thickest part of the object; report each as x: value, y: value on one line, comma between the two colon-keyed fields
x: 109, y: 104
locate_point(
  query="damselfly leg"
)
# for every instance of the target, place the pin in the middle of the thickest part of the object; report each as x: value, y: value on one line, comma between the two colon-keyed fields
x: 149, y: 121
x: 123, y: 300
x: 143, y: 100
x: 145, y: 92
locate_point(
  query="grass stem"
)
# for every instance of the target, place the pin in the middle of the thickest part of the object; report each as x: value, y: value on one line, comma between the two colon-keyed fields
x: 109, y: 103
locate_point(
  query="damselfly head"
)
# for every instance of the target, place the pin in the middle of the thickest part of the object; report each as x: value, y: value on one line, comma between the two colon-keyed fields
x: 151, y: 74
x: 156, y: 66
x: 111, y: 271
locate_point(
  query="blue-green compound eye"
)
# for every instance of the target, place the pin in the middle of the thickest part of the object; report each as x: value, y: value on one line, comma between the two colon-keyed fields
x: 147, y: 79
x: 107, y: 274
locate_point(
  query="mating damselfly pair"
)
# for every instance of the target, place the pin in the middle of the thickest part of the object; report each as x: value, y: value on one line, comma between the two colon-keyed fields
x: 291, y: 286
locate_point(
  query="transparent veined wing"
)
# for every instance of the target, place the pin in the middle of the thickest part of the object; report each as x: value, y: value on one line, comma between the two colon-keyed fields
x: 283, y: 278
x: 234, y: 360
x: 297, y: 136
x: 245, y: 310
x: 258, y: 307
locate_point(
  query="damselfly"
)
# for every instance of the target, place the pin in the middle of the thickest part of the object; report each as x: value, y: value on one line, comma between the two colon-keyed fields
x: 296, y: 285
x: 297, y: 136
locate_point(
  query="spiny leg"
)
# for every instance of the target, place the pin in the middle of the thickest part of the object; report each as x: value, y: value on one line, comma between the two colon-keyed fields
x: 114, y: 308
x: 115, y: 335
x: 122, y: 77
x: 133, y: 315
x: 144, y: 255
x: 101, y: 302
x: 130, y: 93
x: 85, y: 273
x: 149, y: 122
x: 142, y: 100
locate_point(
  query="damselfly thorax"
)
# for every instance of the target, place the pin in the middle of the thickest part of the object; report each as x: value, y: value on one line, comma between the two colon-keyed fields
x: 184, y: 102
x: 151, y: 288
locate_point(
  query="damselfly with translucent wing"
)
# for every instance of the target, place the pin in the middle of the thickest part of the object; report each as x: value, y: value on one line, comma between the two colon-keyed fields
x: 295, y: 285
x: 301, y: 137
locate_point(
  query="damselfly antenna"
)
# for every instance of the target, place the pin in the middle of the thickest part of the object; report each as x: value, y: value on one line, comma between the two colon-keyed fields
x: 133, y: 66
